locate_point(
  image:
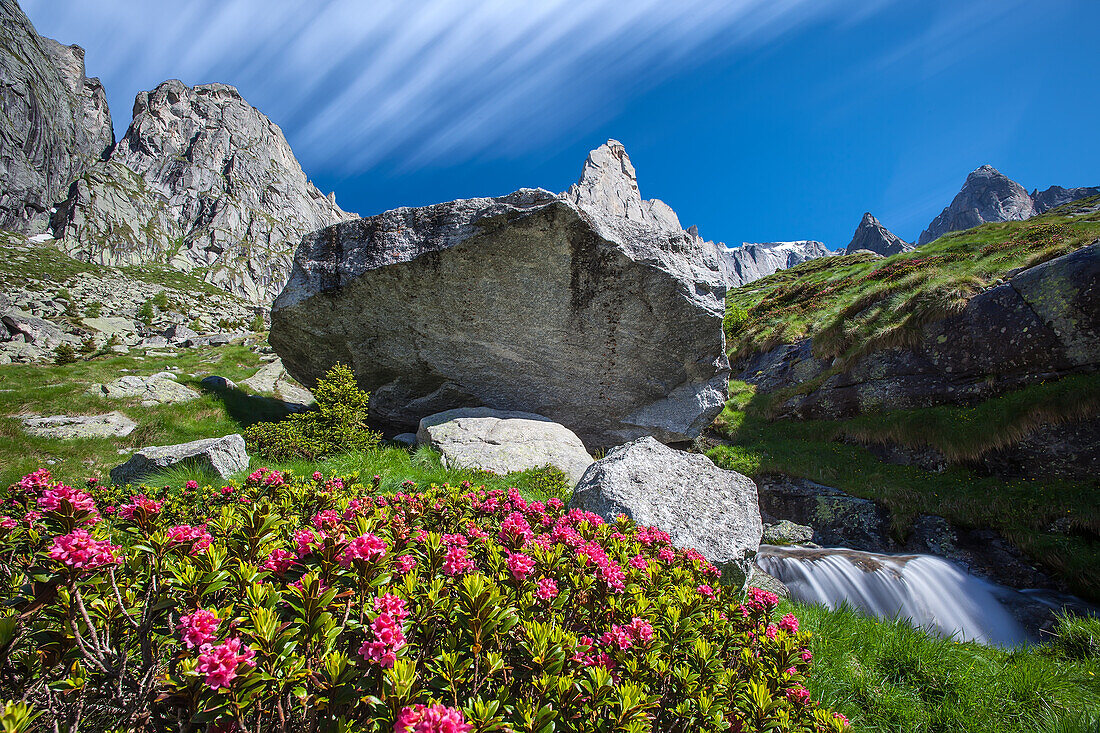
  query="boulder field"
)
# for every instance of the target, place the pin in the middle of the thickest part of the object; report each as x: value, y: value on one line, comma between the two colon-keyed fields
x: 593, y: 308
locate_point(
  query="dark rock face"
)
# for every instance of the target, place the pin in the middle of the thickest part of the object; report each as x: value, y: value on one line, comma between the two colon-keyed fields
x: 987, y: 195
x: 748, y: 262
x: 204, y: 182
x: 1068, y: 451
x: 871, y: 235
x: 1042, y: 324
x: 592, y: 308
x: 1056, y: 196
x: 55, y: 121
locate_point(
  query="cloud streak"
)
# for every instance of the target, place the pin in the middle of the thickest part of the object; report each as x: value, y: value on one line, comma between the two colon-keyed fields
x: 409, y: 84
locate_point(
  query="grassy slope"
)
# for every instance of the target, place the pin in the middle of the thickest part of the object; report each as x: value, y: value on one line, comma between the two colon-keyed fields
x: 853, y: 303
x: 1022, y: 510
x: 60, y: 390
x: 888, y: 676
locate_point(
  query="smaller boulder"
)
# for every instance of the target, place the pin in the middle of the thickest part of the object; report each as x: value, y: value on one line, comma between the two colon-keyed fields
x: 503, y: 441
x: 179, y: 332
x: 786, y: 532
x: 700, y: 505
x: 405, y: 439
x: 225, y: 456
x: 34, y: 330
x: 159, y: 389
x: 111, y: 425
x: 272, y: 379
x: 217, y: 384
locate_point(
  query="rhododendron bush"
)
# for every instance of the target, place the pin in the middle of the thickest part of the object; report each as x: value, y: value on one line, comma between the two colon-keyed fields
x: 320, y: 604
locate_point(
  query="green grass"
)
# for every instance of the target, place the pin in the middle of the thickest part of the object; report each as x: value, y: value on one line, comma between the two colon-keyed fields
x: 853, y: 304
x: 1023, y: 510
x: 61, y: 390
x: 888, y: 676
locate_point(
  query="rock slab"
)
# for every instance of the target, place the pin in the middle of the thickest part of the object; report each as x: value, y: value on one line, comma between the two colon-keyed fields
x: 701, y: 506
x: 158, y: 389
x: 111, y: 425
x: 592, y: 308
x: 225, y: 456
x: 502, y: 441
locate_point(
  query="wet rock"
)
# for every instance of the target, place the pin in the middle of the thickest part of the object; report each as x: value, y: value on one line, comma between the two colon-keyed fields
x: 786, y: 532
x: 701, y: 506
x: 502, y: 442
x: 224, y: 456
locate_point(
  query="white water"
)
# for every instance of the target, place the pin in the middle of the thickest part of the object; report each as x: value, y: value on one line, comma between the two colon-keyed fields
x: 930, y: 591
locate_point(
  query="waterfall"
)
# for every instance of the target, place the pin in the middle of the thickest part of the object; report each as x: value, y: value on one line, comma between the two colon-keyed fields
x: 930, y: 591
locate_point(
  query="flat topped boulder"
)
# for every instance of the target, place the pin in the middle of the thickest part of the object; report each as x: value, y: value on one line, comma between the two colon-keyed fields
x: 224, y: 456
x: 502, y: 441
x: 158, y: 389
x: 701, y: 506
x: 592, y: 308
x: 110, y: 425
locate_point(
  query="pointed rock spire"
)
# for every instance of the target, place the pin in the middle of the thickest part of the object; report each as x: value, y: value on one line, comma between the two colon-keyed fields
x: 987, y: 195
x: 872, y: 235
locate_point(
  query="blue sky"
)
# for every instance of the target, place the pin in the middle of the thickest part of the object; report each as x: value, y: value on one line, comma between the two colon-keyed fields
x: 756, y: 120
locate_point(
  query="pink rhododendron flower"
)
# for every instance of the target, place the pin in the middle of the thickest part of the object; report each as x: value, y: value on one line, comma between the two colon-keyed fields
x: 640, y: 629
x: 515, y: 531
x: 798, y: 695
x: 140, y: 506
x: 789, y: 623
x: 666, y: 554
x: 639, y: 562
x: 762, y: 600
x: 317, y: 476
x: 841, y: 718
x: 706, y: 591
x: 327, y: 519
x: 227, y: 490
x: 33, y: 483
x: 198, y: 628
x: 366, y: 547
x: 192, y: 485
x: 434, y: 719
x: 520, y: 565
x: 405, y: 563
x: 388, y: 640
x: 547, y: 590
x: 455, y: 540
x: 393, y: 605
x: 806, y: 655
x: 279, y: 561
x: 456, y: 562
x: 7, y: 522
x: 184, y: 533
x: 771, y: 631
x: 219, y: 664
x: 54, y: 498
x: 80, y: 551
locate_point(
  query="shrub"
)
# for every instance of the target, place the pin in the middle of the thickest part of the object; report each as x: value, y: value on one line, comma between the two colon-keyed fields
x: 318, y: 604
x: 258, y: 322
x: 160, y: 300
x: 145, y: 313
x: 64, y: 354
x: 87, y: 346
x: 338, y: 424
x: 94, y: 309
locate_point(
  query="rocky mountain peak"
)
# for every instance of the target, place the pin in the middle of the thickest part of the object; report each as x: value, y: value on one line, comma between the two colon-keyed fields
x: 204, y: 182
x: 55, y: 121
x: 609, y: 184
x: 872, y: 235
x: 987, y: 195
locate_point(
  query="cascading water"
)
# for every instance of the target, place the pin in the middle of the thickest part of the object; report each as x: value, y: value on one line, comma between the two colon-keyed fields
x: 930, y: 591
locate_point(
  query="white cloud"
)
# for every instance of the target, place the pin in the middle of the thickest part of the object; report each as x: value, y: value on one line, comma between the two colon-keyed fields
x: 411, y: 83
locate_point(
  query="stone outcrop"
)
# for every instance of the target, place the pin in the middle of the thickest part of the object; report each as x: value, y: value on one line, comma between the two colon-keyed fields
x: 223, y: 456
x: 752, y: 261
x: 111, y: 425
x: 502, y: 441
x: 272, y: 379
x: 1056, y: 196
x: 202, y: 181
x: 1042, y: 324
x: 592, y: 308
x: 54, y: 121
x: 872, y: 236
x: 701, y: 506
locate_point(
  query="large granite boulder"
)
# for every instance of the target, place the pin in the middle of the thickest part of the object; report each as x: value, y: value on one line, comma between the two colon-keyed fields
x: 701, y: 506
x: 987, y: 195
x: 204, y: 182
x: 224, y: 456
x: 502, y: 442
x: 272, y: 379
x: 872, y: 236
x: 1042, y: 324
x: 592, y: 308
x: 54, y: 121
